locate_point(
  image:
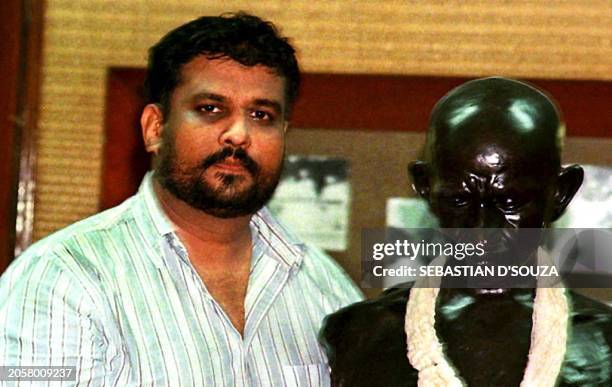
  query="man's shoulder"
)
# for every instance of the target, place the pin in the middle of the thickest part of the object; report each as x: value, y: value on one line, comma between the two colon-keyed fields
x: 315, y: 265
x: 328, y: 275
x: 314, y: 261
x: 73, y: 239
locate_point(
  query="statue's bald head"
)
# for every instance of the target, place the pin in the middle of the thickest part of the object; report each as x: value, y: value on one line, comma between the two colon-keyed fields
x: 497, y: 110
x: 492, y: 157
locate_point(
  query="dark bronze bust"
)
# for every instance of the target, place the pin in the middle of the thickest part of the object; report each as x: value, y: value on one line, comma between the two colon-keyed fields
x: 492, y: 160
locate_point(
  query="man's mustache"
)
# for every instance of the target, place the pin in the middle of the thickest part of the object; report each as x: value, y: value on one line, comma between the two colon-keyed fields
x: 237, y: 153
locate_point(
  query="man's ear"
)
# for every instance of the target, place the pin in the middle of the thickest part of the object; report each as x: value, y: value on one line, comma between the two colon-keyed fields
x: 419, y: 173
x: 568, y: 181
x: 151, y: 122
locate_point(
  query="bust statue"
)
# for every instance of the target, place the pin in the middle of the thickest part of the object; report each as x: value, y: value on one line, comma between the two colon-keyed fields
x: 491, y: 160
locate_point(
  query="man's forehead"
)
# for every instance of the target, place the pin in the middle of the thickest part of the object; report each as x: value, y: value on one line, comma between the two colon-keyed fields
x: 225, y: 75
x: 202, y: 64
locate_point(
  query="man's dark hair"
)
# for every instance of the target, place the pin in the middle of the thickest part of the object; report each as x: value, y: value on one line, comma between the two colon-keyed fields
x: 241, y: 37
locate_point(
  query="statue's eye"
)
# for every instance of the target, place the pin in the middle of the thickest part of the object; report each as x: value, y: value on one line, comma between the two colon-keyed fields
x: 456, y: 200
x: 507, y: 203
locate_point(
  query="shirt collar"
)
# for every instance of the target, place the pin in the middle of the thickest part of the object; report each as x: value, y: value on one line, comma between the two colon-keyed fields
x: 151, y: 219
x: 280, y: 243
x: 276, y: 240
x: 152, y: 207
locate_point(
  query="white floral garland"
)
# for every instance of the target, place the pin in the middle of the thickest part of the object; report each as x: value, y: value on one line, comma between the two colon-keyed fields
x: 546, y: 353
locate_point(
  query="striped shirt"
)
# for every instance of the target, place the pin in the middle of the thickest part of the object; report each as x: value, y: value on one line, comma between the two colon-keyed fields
x: 116, y: 296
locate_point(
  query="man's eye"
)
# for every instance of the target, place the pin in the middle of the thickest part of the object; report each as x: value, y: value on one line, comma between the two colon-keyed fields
x: 209, y: 108
x: 260, y: 115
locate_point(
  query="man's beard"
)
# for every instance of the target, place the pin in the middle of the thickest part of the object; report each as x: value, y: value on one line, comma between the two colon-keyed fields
x: 229, y: 199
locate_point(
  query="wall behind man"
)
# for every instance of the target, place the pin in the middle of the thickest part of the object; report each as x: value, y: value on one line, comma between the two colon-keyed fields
x: 541, y: 39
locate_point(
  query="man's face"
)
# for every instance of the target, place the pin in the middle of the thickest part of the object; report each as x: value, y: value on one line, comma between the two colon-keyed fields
x: 222, y: 143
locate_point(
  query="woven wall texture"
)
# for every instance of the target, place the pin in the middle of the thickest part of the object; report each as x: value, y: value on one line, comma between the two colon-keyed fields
x: 532, y: 38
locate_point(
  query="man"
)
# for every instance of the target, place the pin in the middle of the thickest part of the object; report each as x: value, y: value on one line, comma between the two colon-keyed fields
x: 492, y: 160
x: 190, y: 282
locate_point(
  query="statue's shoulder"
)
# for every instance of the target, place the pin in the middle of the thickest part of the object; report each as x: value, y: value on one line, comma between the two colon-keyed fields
x: 587, y: 306
x: 588, y: 357
x: 367, y: 321
x: 591, y: 315
x: 365, y: 342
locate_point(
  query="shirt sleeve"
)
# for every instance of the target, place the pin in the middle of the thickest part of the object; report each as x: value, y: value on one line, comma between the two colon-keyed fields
x: 48, y: 318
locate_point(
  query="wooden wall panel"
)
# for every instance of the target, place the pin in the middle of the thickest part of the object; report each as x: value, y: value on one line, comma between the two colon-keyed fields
x: 125, y: 160
x: 21, y: 31
x: 10, y: 22
x: 383, y: 103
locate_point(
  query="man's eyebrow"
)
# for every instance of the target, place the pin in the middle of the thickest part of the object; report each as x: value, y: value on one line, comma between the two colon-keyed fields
x: 209, y: 96
x: 264, y: 102
x: 269, y: 103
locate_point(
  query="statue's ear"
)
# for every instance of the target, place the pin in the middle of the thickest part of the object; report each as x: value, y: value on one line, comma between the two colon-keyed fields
x: 419, y: 173
x: 568, y: 181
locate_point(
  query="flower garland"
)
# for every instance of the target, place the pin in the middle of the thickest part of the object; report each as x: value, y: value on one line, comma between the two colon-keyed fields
x: 546, y: 353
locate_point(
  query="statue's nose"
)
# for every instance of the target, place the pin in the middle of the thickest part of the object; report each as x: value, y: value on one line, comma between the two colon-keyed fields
x: 489, y: 216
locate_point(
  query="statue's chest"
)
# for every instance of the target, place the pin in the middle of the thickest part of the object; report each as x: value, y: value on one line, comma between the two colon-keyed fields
x: 487, y: 345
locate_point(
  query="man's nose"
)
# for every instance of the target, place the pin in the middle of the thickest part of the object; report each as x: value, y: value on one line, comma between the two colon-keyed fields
x: 236, y: 134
